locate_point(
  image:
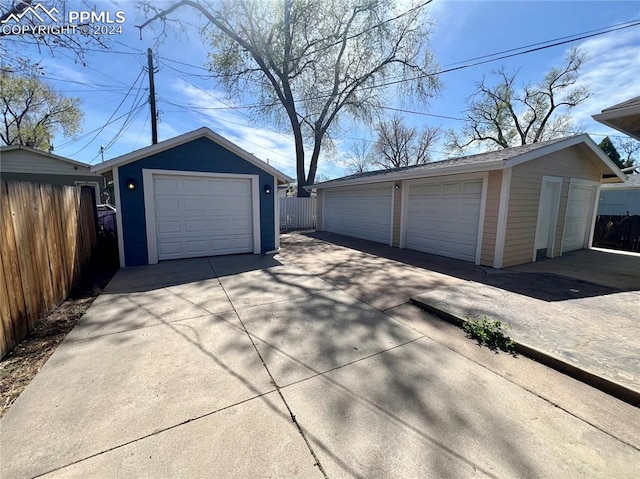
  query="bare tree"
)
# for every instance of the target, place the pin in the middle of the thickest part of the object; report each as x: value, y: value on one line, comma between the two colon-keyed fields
x: 628, y: 149
x: 309, y: 63
x: 73, y: 41
x: 399, y: 145
x: 500, y: 115
x: 359, y: 158
x: 32, y: 112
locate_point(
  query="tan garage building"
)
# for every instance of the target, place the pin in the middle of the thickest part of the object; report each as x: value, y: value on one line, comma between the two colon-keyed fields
x: 497, y: 209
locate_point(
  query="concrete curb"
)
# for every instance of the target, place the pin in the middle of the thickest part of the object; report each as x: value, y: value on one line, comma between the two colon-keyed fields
x: 605, y: 385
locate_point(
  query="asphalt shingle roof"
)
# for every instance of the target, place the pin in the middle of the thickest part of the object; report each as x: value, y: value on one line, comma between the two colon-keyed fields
x: 625, y: 104
x: 477, y: 159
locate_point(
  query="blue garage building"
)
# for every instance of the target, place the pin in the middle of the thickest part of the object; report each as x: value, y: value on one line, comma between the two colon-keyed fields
x: 197, y: 194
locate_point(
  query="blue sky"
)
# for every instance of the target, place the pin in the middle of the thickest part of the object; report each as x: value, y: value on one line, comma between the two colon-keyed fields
x: 461, y: 30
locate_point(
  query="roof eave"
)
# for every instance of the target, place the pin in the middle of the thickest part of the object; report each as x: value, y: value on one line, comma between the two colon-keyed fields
x: 606, y: 119
x: 412, y: 174
x: 46, y: 154
x: 569, y: 142
x: 203, y: 132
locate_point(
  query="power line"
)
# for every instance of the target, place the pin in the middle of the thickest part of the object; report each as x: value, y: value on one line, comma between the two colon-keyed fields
x: 623, y: 24
x: 230, y: 107
x: 497, y: 56
x: 224, y: 120
x: 113, y: 114
x: 89, y: 133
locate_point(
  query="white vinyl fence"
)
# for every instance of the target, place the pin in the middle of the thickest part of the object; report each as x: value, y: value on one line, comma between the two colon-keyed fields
x: 297, y: 213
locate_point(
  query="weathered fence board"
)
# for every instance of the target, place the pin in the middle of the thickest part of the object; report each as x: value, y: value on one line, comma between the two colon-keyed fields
x: 47, y: 240
x: 297, y: 213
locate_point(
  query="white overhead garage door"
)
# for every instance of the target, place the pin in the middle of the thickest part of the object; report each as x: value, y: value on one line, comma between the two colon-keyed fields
x: 360, y: 211
x: 202, y: 216
x: 443, y: 218
x: 577, y: 223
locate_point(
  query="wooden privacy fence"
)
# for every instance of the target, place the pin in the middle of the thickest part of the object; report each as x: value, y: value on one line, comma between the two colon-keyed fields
x: 297, y: 213
x: 47, y: 237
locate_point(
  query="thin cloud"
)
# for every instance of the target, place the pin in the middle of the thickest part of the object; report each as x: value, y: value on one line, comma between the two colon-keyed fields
x: 611, y: 74
x: 262, y: 142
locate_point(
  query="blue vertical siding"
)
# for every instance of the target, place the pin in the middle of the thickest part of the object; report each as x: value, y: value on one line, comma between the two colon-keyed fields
x: 199, y: 155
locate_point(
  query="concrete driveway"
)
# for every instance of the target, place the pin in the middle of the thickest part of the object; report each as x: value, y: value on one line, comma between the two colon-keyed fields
x: 579, y: 312
x: 250, y: 366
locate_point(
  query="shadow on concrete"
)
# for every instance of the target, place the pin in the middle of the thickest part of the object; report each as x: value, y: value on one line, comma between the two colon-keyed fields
x: 398, y: 409
x: 553, y: 283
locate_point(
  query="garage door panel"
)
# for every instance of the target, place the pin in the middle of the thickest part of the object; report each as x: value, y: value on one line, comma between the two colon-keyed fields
x: 473, y: 188
x: 580, y: 204
x: 202, y: 216
x: 168, y: 227
x: 362, y: 212
x: 450, y: 188
x: 443, y: 218
x: 165, y: 185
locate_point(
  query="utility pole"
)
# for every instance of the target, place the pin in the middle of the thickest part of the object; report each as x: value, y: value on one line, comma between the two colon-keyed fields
x: 152, y: 100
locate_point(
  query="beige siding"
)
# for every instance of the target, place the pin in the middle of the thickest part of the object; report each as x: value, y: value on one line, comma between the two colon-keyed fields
x: 20, y: 161
x: 397, y: 214
x: 491, y: 218
x: 526, y: 182
x: 319, y: 192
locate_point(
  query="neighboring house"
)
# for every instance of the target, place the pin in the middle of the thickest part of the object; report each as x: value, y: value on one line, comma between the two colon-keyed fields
x: 620, y: 199
x: 22, y: 163
x: 498, y: 209
x: 624, y: 117
x: 197, y: 194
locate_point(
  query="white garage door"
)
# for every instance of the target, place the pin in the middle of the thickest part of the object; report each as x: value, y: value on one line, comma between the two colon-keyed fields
x: 363, y: 212
x: 577, y: 224
x: 443, y: 218
x: 202, y: 216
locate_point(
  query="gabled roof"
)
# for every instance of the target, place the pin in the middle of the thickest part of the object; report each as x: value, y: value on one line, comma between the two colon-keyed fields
x: 492, y: 160
x: 42, y: 153
x: 633, y: 182
x: 203, y: 132
x: 624, y: 117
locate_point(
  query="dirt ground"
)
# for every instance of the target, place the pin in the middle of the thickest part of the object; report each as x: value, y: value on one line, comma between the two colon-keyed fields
x: 18, y: 368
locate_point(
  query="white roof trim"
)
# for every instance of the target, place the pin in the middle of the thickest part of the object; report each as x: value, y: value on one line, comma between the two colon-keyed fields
x: 575, y: 140
x: 480, y: 167
x: 607, y: 115
x: 610, y: 113
x: 203, y: 132
x: 43, y: 153
x: 414, y: 174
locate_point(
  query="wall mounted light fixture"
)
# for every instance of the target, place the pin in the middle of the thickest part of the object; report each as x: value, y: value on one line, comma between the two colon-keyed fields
x: 131, y: 184
x: 267, y: 189
x: 397, y: 186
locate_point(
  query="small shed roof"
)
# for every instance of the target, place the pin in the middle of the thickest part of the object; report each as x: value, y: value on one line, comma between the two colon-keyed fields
x: 203, y: 132
x: 492, y: 160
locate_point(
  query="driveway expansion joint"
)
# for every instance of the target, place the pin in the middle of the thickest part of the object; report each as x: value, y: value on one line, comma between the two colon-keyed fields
x: 315, y: 457
x: 155, y: 433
